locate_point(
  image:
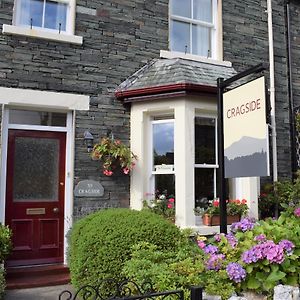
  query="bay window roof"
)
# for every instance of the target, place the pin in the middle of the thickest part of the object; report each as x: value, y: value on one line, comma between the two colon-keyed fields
x: 165, y: 76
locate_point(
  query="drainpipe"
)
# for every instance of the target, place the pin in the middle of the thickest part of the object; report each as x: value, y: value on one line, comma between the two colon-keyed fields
x: 272, y: 90
x: 290, y: 89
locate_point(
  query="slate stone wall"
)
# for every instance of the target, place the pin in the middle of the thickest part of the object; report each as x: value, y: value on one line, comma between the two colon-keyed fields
x: 245, y: 38
x: 119, y: 38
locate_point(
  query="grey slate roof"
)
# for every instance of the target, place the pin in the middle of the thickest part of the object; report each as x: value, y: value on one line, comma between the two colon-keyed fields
x: 160, y: 72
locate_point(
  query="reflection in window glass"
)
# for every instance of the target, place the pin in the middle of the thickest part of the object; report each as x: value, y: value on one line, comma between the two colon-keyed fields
x: 43, y: 118
x: 205, y: 141
x: 202, y: 10
x: 181, y: 8
x: 31, y: 11
x: 55, y: 15
x: 204, y: 186
x: 165, y: 184
x: 42, y: 13
x: 201, y: 40
x: 180, y: 36
x: 163, y: 143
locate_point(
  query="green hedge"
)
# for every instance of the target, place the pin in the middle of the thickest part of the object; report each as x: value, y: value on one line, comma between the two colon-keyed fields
x: 101, y: 243
x: 5, y: 248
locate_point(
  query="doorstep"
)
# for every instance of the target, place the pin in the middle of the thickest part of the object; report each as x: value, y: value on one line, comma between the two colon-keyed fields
x: 208, y: 230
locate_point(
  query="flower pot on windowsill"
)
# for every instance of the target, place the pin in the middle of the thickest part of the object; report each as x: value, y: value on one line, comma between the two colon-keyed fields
x: 215, y: 220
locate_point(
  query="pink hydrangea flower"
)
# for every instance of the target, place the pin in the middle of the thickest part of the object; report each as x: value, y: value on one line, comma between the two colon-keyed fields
x: 107, y: 172
x: 297, y: 212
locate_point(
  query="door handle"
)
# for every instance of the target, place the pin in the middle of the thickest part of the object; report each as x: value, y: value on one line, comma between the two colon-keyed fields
x: 55, y: 209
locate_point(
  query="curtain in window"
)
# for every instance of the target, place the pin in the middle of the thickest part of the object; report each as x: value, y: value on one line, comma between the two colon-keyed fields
x: 55, y: 14
x: 30, y: 10
x: 202, y: 10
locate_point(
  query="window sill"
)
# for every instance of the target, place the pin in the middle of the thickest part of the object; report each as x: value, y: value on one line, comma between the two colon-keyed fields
x: 37, y: 33
x: 174, y: 54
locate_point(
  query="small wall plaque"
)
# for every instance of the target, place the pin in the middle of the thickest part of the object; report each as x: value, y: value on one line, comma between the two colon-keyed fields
x: 89, y: 188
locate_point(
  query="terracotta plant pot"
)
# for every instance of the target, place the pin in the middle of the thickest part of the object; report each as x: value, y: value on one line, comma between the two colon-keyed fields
x: 215, y: 220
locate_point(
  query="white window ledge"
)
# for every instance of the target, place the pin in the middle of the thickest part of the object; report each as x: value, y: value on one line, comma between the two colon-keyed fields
x: 43, y: 34
x: 174, y: 54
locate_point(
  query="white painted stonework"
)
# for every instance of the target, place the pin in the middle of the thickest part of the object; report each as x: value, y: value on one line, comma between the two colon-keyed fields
x: 286, y: 292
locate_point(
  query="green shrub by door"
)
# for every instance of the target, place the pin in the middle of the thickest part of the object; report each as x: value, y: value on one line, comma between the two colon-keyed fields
x: 101, y: 242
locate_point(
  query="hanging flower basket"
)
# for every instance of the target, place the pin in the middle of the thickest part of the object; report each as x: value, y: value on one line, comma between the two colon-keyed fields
x: 114, y: 155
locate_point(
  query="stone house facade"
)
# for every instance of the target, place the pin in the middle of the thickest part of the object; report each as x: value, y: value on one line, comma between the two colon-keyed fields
x: 65, y: 68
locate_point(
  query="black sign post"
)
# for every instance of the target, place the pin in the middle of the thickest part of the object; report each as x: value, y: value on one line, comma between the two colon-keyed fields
x: 222, y: 85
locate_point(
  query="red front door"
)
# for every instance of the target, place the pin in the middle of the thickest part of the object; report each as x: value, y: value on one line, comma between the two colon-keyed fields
x: 35, y: 196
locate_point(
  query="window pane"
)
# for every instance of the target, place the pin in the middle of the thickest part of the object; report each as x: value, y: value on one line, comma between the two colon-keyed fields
x: 205, y: 141
x: 181, y: 8
x: 37, y: 118
x: 163, y: 143
x: 203, y: 10
x: 204, y: 186
x: 201, y: 40
x: 36, y: 169
x: 55, y: 15
x: 165, y: 184
x: 31, y: 10
x: 180, y: 36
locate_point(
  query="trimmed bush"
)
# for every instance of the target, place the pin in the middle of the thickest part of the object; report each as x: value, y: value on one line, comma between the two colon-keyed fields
x: 5, y: 248
x: 2, y: 282
x: 101, y: 243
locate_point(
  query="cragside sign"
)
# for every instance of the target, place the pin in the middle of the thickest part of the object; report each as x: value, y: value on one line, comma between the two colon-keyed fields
x: 246, y: 146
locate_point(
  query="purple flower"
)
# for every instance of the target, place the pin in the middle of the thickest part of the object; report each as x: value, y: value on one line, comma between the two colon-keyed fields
x: 267, y: 250
x: 236, y: 272
x: 244, y: 225
x: 232, y: 240
x: 214, y: 262
x: 287, y: 245
x: 260, y: 238
x: 210, y: 249
x: 297, y: 212
x: 218, y: 237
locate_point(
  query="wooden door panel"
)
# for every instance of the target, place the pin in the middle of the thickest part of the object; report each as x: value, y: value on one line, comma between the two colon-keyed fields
x: 23, y: 234
x: 35, y: 196
x: 49, y: 233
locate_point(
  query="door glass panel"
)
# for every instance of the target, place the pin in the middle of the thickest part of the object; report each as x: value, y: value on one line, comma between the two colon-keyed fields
x: 42, y: 118
x: 205, y: 141
x: 36, y: 170
x: 163, y: 143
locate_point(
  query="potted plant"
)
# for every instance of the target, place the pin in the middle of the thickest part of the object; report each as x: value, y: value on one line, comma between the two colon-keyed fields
x: 198, y: 211
x: 235, y: 209
x: 162, y: 204
x: 114, y: 155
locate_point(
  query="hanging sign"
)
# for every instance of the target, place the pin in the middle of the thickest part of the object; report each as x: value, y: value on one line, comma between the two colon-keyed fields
x: 246, y: 146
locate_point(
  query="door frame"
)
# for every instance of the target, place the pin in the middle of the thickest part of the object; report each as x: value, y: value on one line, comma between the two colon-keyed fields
x: 69, y: 164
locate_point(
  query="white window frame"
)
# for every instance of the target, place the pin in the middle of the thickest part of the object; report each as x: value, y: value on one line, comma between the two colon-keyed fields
x: 151, y: 158
x: 213, y: 27
x: 46, y: 33
x: 210, y: 166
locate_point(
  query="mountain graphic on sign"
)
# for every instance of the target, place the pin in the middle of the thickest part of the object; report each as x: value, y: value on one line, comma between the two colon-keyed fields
x: 245, y: 146
x: 246, y: 158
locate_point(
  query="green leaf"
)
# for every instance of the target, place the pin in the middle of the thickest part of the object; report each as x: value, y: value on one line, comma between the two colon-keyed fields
x: 275, y: 276
x: 253, y: 283
x: 292, y: 280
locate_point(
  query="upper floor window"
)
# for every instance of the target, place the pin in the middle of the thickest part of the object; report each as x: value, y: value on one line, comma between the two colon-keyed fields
x: 193, y: 26
x: 52, y: 15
